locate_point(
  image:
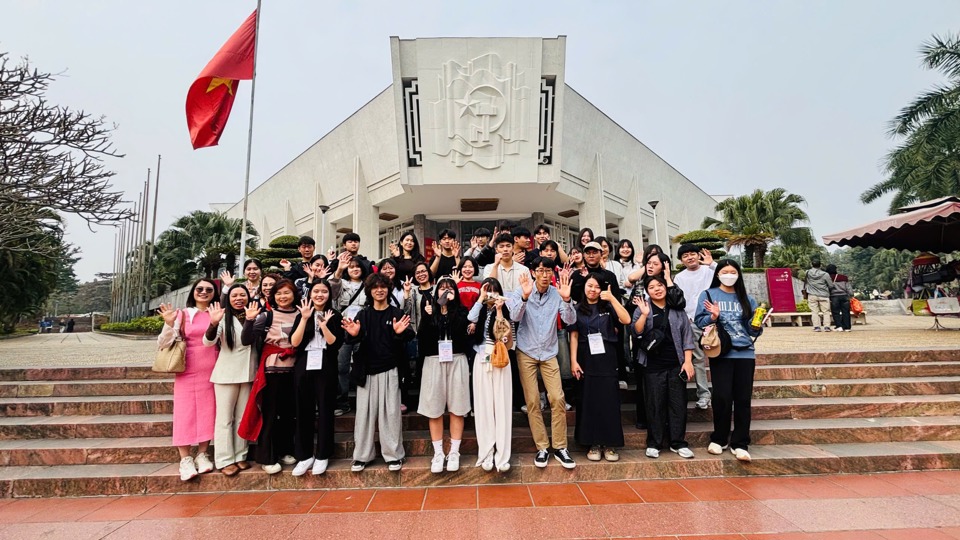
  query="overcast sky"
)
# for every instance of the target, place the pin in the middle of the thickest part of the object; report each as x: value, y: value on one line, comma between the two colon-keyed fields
x: 736, y: 95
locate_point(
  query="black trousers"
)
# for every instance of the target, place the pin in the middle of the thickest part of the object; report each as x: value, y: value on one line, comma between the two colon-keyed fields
x: 621, y: 356
x: 278, y: 407
x: 666, y: 405
x: 316, y: 398
x: 640, y: 374
x: 840, y: 311
x: 732, y: 380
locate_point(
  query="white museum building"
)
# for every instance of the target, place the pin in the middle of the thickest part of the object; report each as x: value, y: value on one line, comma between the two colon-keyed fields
x: 471, y: 131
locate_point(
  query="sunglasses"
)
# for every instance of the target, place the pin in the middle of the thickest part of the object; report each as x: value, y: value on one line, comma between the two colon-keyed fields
x: 204, y: 289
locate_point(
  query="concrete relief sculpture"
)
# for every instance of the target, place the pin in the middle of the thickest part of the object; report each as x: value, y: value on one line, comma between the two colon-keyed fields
x: 481, y: 112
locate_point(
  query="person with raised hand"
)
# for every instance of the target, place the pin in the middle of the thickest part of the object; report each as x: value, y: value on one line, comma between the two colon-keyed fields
x: 666, y: 355
x: 271, y: 410
x: 194, y: 399
x: 231, y: 377
x: 318, y: 335
x: 593, y: 343
x: 380, y: 329
x: 535, y: 308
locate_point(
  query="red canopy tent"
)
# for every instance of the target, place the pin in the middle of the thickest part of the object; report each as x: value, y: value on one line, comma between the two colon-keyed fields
x: 927, y: 226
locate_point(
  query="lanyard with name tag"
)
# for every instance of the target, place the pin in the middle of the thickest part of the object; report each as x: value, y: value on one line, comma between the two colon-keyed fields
x: 596, y: 343
x: 445, y: 348
x: 314, y: 359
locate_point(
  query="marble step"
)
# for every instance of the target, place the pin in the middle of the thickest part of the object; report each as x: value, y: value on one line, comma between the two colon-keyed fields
x: 81, y: 373
x: 418, y: 443
x: 85, y: 427
x: 86, y: 405
x: 93, y: 387
x: 148, y: 478
x: 858, y: 357
x: 856, y: 371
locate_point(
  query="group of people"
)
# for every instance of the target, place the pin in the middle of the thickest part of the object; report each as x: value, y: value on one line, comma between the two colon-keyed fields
x: 512, y: 323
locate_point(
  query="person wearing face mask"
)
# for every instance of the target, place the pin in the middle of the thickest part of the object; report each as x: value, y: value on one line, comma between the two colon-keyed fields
x: 727, y: 304
x: 231, y: 378
x: 445, y: 383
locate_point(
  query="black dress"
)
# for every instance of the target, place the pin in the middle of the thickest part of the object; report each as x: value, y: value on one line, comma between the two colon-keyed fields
x: 598, y: 408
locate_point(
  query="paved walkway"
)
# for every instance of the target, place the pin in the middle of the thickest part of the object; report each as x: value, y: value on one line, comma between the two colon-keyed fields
x: 914, y: 506
x: 884, y: 333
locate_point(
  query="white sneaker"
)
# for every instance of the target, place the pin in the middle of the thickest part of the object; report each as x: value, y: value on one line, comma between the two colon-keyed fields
x: 567, y: 406
x: 623, y: 385
x: 703, y: 403
x: 320, y: 467
x: 715, y: 449
x: 288, y: 460
x: 436, y: 464
x: 487, y: 464
x: 302, y: 467
x: 653, y: 453
x: 453, y: 462
x: 741, y: 454
x: 203, y: 464
x: 684, y: 452
x: 504, y: 468
x: 187, y: 469
x: 523, y: 409
x: 272, y: 469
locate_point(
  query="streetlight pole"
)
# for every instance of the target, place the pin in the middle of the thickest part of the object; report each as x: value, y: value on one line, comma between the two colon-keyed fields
x: 323, y: 227
x: 656, y: 229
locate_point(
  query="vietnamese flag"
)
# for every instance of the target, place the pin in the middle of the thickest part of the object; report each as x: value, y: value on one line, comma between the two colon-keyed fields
x: 211, y: 96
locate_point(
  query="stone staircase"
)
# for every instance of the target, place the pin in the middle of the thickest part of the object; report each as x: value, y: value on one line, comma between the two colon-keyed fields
x: 106, y: 431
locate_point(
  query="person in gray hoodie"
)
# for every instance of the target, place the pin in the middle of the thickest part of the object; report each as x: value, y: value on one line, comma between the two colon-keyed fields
x: 817, y: 284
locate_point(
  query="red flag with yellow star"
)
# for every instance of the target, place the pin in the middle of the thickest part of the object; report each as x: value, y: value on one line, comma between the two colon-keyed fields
x: 211, y: 96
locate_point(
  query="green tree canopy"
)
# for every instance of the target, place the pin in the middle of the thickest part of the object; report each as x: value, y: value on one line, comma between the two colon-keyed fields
x: 926, y: 165
x: 758, y: 219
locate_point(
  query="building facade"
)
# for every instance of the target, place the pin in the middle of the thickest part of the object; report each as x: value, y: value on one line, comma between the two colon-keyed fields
x: 473, y: 130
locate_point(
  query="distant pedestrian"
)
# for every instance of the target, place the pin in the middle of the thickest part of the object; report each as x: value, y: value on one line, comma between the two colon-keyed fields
x: 817, y: 284
x: 840, y: 294
x: 70, y: 325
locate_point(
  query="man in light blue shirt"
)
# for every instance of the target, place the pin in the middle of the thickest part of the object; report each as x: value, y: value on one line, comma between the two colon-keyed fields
x: 535, y: 308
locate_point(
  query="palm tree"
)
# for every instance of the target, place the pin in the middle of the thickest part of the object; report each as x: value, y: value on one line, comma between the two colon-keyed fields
x: 758, y: 219
x: 198, y: 244
x: 927, y: 164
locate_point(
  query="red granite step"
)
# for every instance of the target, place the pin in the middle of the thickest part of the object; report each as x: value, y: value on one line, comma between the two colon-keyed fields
x: 86, y: 405
x: 418, y: 443
x: 123, y: 479
x: 95, y: 387
x: 857, y: 371
x: 858, y: 357
x: 81, y: 373
x: 84, y: 427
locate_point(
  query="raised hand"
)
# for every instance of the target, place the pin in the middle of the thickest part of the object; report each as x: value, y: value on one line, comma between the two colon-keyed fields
x: 483, y: 292
x: 216, y: 313
x: 168, y: 313
x: 519, y: 257
x: 253, y: 309
x: 394, y: 249
x: 428, y: 308
x: 714, y: 309
x: 455, y: 275
x: 306, y: 308
x: 607, y: 295
x: 706, y: 256
x: 666, y: 274
x: 331, y: 254
x: 456, y: 249
x: 344, y: 258
x: 322, y: 273
x: 351, y: 326
x: 400, y: 326
x: 285, y: 264
x: 407, y: 286
x: 497, y: 257
x: 642, y: 305
x: 499, y: 305
x: 435, y: 247
x: 325, y: 317
x: 526, y: 284
x: 227, y: 278
x: 307, y: 270
x: 564, y: 288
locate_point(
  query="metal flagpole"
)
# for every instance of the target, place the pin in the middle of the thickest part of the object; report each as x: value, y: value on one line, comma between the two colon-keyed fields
x: 142, y: 251
x: 153, y: 233
x: 246, y: 180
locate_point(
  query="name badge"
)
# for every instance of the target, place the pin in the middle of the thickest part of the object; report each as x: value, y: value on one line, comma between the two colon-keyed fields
x: 314, y: 360
x: 446, y: 350
x: 596, y: 343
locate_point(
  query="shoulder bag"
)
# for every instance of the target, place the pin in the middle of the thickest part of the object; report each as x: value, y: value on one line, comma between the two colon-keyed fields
x: 172, y: 359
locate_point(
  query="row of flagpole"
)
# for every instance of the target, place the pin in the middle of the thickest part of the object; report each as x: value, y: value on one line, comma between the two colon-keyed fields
x: 132, y: 260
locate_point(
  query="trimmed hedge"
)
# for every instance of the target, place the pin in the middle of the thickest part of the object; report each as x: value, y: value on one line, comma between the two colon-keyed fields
x: 286, y: 242
x: 140, y: 325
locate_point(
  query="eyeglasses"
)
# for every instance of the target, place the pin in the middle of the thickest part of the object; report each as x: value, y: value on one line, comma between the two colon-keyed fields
x: 204, y: 289
x: 544, y: 270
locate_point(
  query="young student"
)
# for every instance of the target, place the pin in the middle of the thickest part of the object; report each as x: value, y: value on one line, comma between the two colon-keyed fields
x: 504, y: 268
x: 479, y: 240
x: 293, y: 272
x: 445, y: 384
x: 316, y: 271
x: 351, y: 247
x: 467, y: 284
x: 535, y: 309
x: 381, y: 330
x: 231, y: 377
x: 406, y: 254
x: 349, y: 298
x: 271, y: 409
x: 585, y: 237
x: 317, y: 336
x: 488, y: 253
x: 522, y: 244
x: 592, y: 257
x: 593, y: 343
x: 541, y: 234
x: 266, y: 289
x: 446, y: 254
x: 668, y: 365
x: 693, y: 280
x: 726, y: 303
x: 492, y: 386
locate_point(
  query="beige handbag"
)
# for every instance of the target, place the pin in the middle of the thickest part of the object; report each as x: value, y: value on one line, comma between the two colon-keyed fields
x: 172, y: 359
